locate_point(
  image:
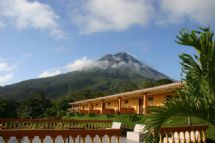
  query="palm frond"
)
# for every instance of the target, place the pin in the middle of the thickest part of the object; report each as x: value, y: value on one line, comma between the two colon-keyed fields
x: 197, y: 96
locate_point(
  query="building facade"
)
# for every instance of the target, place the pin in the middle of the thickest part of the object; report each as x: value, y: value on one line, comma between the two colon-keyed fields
x: 133, y: 102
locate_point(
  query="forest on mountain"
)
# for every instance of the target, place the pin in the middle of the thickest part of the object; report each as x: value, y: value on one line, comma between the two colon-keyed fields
x: 39, y: 106
x: 49, y: 97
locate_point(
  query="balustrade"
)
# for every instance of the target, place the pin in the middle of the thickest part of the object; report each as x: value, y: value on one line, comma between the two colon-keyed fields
x: 95, y: 111
x: 84, y: 111
x: 187, y: 134
x: 46, y: 124
x: 69, y: 136
x: 127, y: 110
x: 109, y: 111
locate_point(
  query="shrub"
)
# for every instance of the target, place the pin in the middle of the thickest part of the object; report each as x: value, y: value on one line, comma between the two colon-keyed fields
x: 92, y: 115
x: 71, y: 114
x: 109, y: 115
x: 133, y: 118
x: 79, y: 114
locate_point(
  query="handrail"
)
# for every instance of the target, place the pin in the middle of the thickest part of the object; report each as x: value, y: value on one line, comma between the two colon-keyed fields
x: 52, y: 124
x: 184, y: 129
x: 194, y: 134
x: 49, y: 120
x: 74, y: 133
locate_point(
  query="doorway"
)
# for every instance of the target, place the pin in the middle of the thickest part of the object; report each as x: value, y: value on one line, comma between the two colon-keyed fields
x: 140, y: 106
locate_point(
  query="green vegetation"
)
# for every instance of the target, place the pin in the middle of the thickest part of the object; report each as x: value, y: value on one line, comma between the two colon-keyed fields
x: 127, y: 119
x: 49, y: 97
x: 34, y: 107
x: 7, y: 109
x: 157, y: 83
x: 131, y: 120
x: 181, y: 121
x: 39, y: 106
x: 197, y: 97
x: 88, y: 83
x: 99, y: 82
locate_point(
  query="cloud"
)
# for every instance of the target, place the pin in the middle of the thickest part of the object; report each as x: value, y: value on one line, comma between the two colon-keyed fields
x: 49, y: 73
x: 6, y: 71
x: 176, y: 11
x: 85, y: 63
x: 80, y: 64
x: 5, y: 78
x: 5, y: 67
x: 93, y: 16
x: 112, y: 15
x: 30, y: 14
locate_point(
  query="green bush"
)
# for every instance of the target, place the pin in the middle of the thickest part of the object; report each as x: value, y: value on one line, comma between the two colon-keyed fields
x: 92, y: 115
x: 79, y: 114
x: 109, y: 115
x: 210, y: 141
x: 61, y: 113
x: 72, y: 114
x: 133, y: 118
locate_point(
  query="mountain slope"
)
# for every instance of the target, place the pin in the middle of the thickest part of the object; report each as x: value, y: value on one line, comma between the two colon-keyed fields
x: 110, y: 74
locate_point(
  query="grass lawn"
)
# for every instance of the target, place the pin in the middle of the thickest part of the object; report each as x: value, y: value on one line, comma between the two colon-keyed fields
x: 131, y: 120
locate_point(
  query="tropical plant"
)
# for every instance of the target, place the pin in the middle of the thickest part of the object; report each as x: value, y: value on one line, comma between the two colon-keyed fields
x: 35, y: 106
x: 197, y: 96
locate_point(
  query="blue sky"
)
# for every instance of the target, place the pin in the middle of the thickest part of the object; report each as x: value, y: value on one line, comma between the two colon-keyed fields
x: 41, y: 38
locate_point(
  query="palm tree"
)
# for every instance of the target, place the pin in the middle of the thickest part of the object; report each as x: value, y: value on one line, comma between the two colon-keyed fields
x: 197, y: 96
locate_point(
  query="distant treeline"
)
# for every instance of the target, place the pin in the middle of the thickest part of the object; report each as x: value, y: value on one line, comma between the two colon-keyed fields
x: 39, y: 106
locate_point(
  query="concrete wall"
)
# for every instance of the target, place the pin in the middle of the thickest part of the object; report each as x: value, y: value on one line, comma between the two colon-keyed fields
x: 97, y: 106
x: 111, y: 104
x: 158, y: 100
x: 132, y: 102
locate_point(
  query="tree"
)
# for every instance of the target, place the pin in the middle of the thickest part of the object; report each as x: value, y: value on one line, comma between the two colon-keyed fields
x: 35, y: 106
x: 164, y: 81
x: 197, y: 96
x: 58, y: 108
x: 7, y: 109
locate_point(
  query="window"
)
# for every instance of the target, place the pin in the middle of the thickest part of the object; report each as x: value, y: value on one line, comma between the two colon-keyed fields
x: 126, y: 102
x: 109, y: 104
x: 150, y: 99
x: 168, y: 98
x: 96, y: 105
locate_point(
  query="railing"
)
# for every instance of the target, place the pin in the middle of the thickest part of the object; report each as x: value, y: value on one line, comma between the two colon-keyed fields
x: 45, y: 124
x: 84, y: 111
x: 95, y: 111
x: 108, y: 111
x: 128, y: 110
x: 67, y: 135
x: 194, y: 134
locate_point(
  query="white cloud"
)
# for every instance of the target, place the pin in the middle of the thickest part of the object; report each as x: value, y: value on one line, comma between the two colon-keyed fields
x: 49, y: 73
x: 176, y: 11
x: 118, y: 15
x: 114, y: 15
x: 85, y: 63
x: 6, y: 71
x: 5, y: 67
x: 24, y: 14
x: 5, y: 78
x: 80, y: 64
